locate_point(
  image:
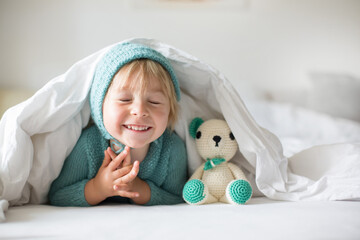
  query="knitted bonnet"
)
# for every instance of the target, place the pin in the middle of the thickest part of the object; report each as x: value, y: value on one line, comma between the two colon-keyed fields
x: 110, y: 64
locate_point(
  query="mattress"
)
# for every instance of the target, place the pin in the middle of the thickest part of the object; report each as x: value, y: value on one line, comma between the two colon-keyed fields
x: 261, y: 218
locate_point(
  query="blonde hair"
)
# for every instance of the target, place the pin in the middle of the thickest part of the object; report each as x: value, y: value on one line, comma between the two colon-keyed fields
x: 142, y: 70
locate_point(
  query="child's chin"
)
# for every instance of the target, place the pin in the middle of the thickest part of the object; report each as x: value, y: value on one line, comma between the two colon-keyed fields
x: 137, y: 145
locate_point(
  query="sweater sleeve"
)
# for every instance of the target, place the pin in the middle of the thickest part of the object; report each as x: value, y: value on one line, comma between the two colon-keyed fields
x: 170, y: 192
x: 68, y: 188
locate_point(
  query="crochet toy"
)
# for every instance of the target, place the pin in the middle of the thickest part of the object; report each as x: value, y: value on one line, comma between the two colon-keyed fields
x: 216, y: 180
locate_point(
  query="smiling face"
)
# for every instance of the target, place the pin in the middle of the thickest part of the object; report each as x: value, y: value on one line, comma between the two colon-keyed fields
x: 136, y: 108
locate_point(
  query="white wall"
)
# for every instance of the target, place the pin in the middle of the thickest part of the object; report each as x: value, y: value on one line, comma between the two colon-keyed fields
x: 265, y: 45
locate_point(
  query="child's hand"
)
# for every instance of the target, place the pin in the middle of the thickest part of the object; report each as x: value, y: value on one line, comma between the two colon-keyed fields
x: 124, y: 185
x: 112, y: 172
x: 130, y: 184
x: 127, y: 159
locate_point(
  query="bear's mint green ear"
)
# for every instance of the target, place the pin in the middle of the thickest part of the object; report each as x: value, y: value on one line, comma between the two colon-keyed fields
x: 194, y: 125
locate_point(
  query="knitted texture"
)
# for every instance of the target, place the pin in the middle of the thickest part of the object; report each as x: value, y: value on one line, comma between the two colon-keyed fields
x: 239, y: 191
x: 194, y: 125
x: 194, y: 191
x: 215, y: 141
x: 211, y: 163
x: 110, y: 64
x: 217, y: 179
x: 216, y: 145
x: 164, y: 169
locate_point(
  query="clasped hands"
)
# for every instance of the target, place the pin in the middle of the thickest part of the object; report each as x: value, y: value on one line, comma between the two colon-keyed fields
x: 117, y: 176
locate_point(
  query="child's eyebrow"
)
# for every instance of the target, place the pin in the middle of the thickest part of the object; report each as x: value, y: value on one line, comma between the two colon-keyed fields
x: 156, y: 92
x: 121, y: 92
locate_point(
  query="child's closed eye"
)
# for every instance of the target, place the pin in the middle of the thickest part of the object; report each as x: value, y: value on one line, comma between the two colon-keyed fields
x: 154, y: 102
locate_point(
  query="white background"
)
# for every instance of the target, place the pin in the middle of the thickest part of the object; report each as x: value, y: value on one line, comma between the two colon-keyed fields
x: 261, y: 46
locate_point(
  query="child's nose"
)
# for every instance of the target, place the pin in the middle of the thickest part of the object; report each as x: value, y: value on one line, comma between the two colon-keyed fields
x: 139, y: 109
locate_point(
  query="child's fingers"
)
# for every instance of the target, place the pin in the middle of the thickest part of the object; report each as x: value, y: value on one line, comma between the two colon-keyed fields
x: 107, y: 159
x: 111, y: 153
x: 115, y: 163
x: 130, y: 176
x: 128, y: 194
x: 127, y: 160
x: 118, y: 173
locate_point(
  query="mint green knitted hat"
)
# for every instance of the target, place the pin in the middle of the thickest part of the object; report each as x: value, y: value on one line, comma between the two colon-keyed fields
x: 110, y: 64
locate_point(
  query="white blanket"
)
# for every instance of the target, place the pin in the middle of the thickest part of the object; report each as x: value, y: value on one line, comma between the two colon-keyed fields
x: 38, y: 134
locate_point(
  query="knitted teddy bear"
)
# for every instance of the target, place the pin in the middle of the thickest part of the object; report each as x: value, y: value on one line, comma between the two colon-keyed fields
x: 216, y: 180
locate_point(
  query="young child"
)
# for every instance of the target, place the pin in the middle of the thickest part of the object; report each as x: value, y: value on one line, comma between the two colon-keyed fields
x: 131, y: 153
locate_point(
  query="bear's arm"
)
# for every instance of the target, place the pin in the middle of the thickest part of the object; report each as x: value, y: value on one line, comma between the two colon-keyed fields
x: 198, y: 172
x: 236, y: 171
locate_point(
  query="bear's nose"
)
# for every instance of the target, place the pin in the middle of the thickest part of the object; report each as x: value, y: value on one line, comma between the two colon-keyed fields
x: 217, y: 139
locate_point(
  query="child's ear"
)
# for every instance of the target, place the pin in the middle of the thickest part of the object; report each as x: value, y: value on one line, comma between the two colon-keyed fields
x: 194, y: 125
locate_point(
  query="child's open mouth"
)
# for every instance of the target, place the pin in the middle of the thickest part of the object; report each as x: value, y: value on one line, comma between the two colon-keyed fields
x: 137, y: 128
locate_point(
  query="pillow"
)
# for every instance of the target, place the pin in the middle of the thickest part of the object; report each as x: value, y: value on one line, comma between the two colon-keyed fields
x: 335, y: 94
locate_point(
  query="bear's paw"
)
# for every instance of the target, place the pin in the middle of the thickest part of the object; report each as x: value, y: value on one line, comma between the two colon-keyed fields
x: 239, y: 191
x: 195, y: 192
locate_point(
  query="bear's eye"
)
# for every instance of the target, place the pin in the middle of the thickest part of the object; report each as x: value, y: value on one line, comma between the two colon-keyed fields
x: 198, y: 135
x: 232, y: 136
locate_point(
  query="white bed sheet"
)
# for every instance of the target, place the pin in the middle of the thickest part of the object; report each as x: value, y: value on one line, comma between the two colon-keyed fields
x: 260, y: 219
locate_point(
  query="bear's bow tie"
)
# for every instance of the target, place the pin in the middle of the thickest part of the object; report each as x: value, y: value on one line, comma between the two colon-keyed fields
x: 211, y: 163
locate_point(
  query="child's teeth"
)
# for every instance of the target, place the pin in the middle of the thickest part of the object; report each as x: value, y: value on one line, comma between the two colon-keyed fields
x: 137, y: 128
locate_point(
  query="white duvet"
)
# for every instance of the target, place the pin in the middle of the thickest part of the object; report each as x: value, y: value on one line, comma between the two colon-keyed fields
x: 38, y: 134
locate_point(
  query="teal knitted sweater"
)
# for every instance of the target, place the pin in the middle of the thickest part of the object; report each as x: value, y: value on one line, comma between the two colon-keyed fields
x: 164, y: 169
